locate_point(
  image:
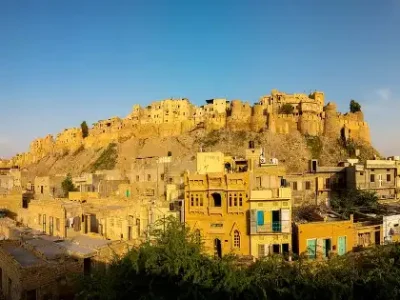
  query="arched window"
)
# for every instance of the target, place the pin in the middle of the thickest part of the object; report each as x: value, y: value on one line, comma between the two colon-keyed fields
x: 236, y: 239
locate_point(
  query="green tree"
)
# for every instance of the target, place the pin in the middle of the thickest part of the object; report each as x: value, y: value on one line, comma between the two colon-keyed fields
x: 172, y: 266
x: 67, y: 185
x: 85, y: 129
x: 354, y: 106
x: 286, y: 109
x: 348, y: 201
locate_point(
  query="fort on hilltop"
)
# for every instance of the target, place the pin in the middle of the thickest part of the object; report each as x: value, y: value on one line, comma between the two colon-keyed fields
x: 307, y: 114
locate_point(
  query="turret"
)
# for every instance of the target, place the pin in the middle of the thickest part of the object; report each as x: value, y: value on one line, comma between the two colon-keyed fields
x: 331, y: 124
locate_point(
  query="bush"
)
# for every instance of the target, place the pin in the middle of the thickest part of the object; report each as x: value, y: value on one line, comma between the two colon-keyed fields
x: 85, y: 129
x: 173, y: 267
x: 67, y: 185
x: 286, y: 109
x: 354, y: 106
x: 79, y: 150
x: 349, y: 201
x: 315, y: 145
x: 107, y: 159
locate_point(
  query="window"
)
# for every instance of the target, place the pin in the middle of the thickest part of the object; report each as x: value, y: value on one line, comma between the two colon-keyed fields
x: 388, y: 177
x: 197, y: 200
x: 258, y: 181
x: 201, y: 199
x: 236, y: 239
x: 191, y: 200
x: 261, y: 250
x: 294, y: 186
x: 40, y: 219
x: 148, y: 177
x: 162, y: 176
x: 230, y: 199
x: 235, y: 200
x: 240, y: 200
x: 260, y: 218
x: 137, y: 177
x: 372, y: 178
x: 361, y: 173
x: 308, y: 185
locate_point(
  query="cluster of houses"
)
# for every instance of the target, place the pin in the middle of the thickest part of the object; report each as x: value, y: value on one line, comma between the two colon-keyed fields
x: 246, y: 205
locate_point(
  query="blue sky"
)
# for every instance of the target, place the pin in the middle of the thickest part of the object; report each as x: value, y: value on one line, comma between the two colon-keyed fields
x: 62, y: 62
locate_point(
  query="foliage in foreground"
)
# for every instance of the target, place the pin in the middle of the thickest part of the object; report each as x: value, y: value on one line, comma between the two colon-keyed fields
x: 174, y: 268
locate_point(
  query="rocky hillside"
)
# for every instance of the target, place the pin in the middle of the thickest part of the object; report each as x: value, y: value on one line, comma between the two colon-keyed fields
x: 293, y: 150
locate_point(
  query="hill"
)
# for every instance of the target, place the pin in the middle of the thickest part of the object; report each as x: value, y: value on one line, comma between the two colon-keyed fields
x: 293, y: 150
x: 291, y: 127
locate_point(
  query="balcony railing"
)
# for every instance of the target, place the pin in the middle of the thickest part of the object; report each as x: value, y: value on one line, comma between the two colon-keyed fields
x: 272, y: 227
x: 235, y: 209
x: 215, y: 210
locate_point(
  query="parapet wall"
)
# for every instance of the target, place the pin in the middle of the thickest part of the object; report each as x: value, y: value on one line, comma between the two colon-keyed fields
x: 279, y: 112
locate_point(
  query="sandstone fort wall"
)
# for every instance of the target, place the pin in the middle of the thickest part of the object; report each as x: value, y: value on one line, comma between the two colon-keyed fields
x: 173, y: 117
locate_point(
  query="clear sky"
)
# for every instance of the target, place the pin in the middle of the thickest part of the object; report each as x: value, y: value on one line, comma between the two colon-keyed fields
x: 62, y: 62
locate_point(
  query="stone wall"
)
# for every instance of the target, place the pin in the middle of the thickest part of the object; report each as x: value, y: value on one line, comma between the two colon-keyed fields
x: 172, y: 117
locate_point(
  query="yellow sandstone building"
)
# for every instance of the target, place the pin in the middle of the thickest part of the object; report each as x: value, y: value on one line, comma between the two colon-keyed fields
x: 216, y: 204
x: 239, y: 205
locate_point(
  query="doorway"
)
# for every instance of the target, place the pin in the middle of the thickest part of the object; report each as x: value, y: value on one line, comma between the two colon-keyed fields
x: 51, y: 229
x: 276, y: 249
x: 129, y: 233
x: 218, y: 248
x: 326, y: 247
x: 217, y: 200
x: 44, y: 223
x: 31, y: 295
x: 377, y: 237
x: 87, y: 264
x: 342, y: 245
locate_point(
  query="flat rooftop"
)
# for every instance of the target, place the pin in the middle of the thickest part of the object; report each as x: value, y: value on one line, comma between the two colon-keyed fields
x: 23, y: 256
x: 83, y: 245
x: 48, y: 249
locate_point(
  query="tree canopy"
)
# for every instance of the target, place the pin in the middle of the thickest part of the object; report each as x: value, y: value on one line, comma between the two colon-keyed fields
x: 67, y: 185
x: 173, y: 267
x: 354, y: 106
x: 348, y: 201
x: 286, y: 109
x: 85, y: 129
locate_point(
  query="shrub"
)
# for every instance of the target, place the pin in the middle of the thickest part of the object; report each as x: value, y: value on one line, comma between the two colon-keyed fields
x: 79, y: 150
x: 315, y: 145
x: 107, y: 159
x: 173, y: 267
x: 354, y: 106
x: 67, y: 185
x: 85, y: 129
x: 286, y: 109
